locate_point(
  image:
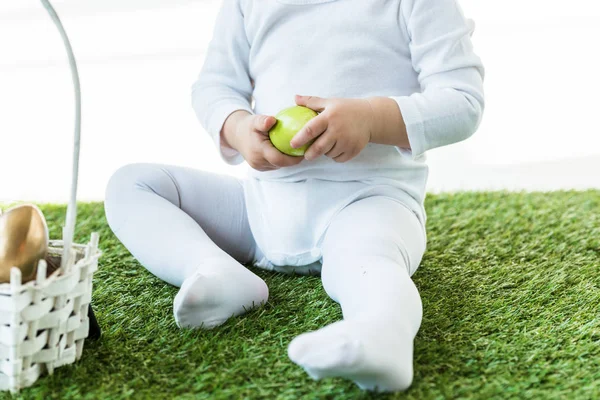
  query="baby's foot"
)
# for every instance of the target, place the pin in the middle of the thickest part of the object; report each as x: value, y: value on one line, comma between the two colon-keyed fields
x: 376, y: 356
x: 208, y: 300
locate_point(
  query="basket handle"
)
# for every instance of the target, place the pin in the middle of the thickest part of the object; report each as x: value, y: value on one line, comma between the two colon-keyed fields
x: 69, y: 228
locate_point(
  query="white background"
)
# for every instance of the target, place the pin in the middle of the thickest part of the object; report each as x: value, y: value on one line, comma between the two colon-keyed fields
x: 138, y: 59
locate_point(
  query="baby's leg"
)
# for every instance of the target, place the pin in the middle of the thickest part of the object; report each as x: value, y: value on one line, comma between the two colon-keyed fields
x: 190, y: 229
x: 369, y: 252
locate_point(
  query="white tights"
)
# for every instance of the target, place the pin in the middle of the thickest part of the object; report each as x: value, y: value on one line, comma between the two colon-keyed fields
x: 190, y: 229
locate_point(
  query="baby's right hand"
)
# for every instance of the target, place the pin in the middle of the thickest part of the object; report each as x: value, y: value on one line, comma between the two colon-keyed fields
x: 249, y: 134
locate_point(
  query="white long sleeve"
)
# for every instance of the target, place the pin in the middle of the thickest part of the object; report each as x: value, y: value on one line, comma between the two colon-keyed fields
x: 224, y: 84
x: 450, y: 105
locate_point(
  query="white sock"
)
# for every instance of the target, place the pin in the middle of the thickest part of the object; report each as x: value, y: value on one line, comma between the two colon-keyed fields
x: 373, y: 345
x: 209, y: 298
x: 368, y: 252
x: 376, y: 356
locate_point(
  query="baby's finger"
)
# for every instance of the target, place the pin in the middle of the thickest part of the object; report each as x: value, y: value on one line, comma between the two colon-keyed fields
x: 264, y: 168
x: 313, y: 129
x: 323, y: 145
x: 277, y: 158
x: 343, y: 157
x: 262, y: 123
x: 260, y: 164
x: 268, y: 167
x: 335, y: 151
x: 312, y: 102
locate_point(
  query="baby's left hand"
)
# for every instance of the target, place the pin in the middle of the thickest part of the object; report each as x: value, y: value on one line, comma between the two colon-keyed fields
x: 343, y: 127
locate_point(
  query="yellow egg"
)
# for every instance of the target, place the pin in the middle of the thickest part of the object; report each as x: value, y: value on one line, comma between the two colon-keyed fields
x: 23, y: 241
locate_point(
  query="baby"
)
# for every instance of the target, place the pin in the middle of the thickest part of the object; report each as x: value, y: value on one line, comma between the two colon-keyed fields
x: 390, y: 79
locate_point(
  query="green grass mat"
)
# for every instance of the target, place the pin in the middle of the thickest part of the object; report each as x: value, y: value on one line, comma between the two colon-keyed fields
x: 511, y: 293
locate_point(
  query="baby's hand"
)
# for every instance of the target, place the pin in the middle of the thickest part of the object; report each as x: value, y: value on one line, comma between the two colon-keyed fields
x: 249, y: 134
x: 343, y: 127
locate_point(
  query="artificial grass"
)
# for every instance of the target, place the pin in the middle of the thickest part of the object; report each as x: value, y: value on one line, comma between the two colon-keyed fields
x: 511, y: 294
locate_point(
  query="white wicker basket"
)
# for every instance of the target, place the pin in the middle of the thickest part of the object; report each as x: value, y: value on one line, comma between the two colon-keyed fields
x: 43, y: 323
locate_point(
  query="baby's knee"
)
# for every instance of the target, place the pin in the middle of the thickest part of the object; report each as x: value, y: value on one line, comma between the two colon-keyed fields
x: 119, y: 191
x: 367, y: 246
x: 121, y: 180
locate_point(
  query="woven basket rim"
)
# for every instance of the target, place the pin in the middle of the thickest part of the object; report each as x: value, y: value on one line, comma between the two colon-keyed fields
x: 6, y: 289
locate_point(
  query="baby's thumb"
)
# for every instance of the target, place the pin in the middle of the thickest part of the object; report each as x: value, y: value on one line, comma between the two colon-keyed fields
x: 263, y: 123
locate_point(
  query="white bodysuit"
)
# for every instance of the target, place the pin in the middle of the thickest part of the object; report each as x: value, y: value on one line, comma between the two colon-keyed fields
x: 266, y: 51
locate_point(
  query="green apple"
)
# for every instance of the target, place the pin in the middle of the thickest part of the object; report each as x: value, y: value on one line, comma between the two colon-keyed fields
x: 289, y: 122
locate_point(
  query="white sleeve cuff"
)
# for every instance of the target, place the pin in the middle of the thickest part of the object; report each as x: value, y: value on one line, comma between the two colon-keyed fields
x: 414, y: 126
x: 215, y: 125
